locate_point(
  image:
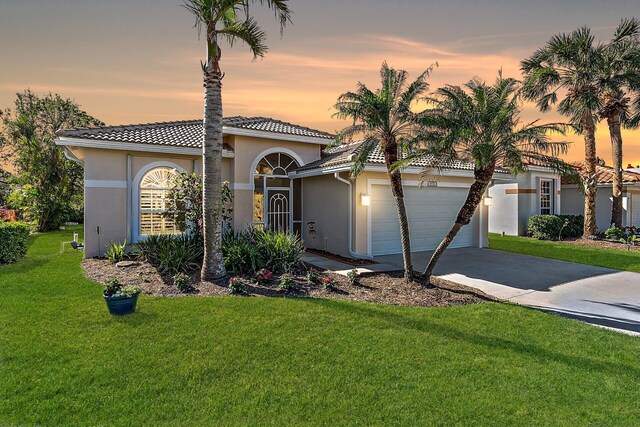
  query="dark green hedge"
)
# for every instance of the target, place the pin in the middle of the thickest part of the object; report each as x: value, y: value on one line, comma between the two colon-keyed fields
x: 548, y: 227
x: 14, y: 237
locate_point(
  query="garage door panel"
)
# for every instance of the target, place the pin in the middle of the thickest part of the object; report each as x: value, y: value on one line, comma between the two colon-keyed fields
x: 431, y: 213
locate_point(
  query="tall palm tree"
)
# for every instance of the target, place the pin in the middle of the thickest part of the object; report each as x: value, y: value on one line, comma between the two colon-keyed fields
x: 230, y: 21
x: 619, y: 77
x: 567, y: 66
x: 480, y: 124
x: 385, y: 120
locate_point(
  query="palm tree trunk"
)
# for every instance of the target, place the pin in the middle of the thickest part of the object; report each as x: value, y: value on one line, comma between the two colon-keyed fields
x: 391, y: 156
x: 591, y: 181
x: 213, y: 263
x: 616, y: 151
x: 477, y: 190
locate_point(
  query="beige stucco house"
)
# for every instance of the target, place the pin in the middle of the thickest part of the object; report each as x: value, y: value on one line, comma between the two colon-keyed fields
x: 282, y: 176
x: 573, y: 198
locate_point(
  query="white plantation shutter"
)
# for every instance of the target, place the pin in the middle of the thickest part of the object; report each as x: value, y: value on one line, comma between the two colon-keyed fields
x: 154, y: 191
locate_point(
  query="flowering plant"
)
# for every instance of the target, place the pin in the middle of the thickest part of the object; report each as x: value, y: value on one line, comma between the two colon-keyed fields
x: 236, y: 285
x: 115, y: 289
x: 329, y: 283
x: 263, y: 276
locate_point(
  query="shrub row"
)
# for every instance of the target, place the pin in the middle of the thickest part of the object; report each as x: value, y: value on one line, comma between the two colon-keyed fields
x: 14, y: 237
x: 554, y: 227
x: 244, y: 252
x: 252, y: 249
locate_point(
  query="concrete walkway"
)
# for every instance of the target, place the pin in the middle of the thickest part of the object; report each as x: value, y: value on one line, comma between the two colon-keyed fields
x: 600, y: 296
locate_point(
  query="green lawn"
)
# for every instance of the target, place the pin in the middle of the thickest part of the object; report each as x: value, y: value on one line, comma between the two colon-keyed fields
x: 238, y: 360
x: 610, y: 258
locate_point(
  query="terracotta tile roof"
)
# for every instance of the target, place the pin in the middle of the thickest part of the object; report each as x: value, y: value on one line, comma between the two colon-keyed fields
x: 605, y: 174
x: 342, y: 155
x: 186, y: 133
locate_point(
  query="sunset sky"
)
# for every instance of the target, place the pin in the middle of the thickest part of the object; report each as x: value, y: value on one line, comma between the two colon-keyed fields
x: 134, y: 61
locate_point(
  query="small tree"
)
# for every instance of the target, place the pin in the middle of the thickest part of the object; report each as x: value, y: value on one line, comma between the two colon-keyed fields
x: 481, y: 124
x: 47, y: 186
x: 185, y: 202
x: 386, y: 121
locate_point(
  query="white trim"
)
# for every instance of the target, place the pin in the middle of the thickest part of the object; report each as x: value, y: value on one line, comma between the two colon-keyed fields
x: 275, y: 135
x: 133, y: 146
x: 405, y: 183
x: 273, y: 150
x: 105, y: 183
x: 412, y: 183
x: 135, y: 229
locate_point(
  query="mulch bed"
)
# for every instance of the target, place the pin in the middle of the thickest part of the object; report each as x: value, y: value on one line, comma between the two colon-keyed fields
x: 602, y: 244
x: 383, y: 288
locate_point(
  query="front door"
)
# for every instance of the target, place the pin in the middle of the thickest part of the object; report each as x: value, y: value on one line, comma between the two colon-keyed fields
x: 278, y: 209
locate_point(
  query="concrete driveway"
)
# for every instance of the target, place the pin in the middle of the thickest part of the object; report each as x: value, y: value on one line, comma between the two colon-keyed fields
x: 601, y: 296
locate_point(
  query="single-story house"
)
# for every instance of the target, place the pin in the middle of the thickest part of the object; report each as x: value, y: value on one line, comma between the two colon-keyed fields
x: 573, y: 198
x: 514, y: 200
x: 282, y: 176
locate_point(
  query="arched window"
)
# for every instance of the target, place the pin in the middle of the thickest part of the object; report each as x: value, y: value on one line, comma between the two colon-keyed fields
x: 277, y: 198
x: 154, y: 191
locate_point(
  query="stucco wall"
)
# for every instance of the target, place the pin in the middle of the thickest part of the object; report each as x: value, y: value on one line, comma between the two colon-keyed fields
x: 503, y: 213
x: 525, y: 188
x: 573, y: 204
x: 325, y: 204
x: 107, y: 189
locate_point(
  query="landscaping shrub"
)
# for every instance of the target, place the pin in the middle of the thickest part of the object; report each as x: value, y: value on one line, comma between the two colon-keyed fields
x: 354, y: 277
x: 182, y: 282
x: 241, y: 252
x: 251, y: 250
x: 553, y: 227
x: 313, y: 278
x: 116, y: 252
x: 14, y: 237
x: 281, y: 251
x: 287, y: 283
x: 329, y: 283
x: 615, y: 233
x: 175, y: 254
x: 236, y: 286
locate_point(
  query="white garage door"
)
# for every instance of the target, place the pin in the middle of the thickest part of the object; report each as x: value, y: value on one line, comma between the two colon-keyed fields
x: 431, y: 211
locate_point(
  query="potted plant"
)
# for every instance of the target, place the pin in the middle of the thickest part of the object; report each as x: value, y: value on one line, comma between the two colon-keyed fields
x: 120, y: 299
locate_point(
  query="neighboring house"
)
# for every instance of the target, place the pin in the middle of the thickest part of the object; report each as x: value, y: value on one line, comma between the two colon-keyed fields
x: 281, y: 179
x: 515, y: 200
x: 573, y: 198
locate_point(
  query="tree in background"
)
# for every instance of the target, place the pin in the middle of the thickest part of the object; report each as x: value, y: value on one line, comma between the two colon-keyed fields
x: 47, y: 186
x: 567, y: 67
x: 480, y: 124
x: 385, y: 120
x: 619, y: 77
x: 222, y: 20
x: 184, y: 203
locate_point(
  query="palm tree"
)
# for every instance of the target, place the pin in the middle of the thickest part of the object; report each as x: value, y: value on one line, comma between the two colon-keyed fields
x: 227, y: 20
x: 567, y: 66
x: 480, y: 124
x: 385, y: 120
x: 619, y: 76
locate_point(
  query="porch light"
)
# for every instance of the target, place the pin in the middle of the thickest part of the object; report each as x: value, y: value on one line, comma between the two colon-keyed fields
x: 488, y: 201
x: 365, y: 199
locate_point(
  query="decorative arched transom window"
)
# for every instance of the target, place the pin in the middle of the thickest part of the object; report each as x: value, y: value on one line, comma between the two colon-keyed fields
x: 154, y: 191
x: 277, y: 198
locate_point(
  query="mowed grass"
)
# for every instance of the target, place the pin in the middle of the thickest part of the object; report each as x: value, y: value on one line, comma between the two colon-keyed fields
x: 610, y: 258
x: 238, y: 360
